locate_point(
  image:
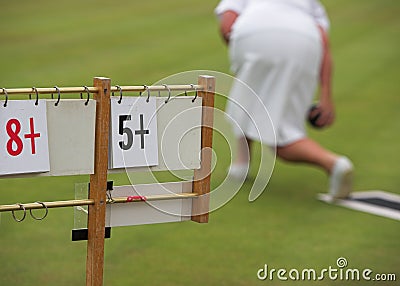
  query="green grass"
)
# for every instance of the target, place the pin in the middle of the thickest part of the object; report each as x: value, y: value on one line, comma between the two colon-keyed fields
x: 67, y: 43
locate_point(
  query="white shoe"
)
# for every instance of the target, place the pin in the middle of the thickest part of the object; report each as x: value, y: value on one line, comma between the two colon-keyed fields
x: 238, y: 171
x: 341, y: 179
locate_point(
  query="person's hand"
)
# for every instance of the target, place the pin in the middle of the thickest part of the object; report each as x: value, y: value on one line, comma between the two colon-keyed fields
x: 325, y: 111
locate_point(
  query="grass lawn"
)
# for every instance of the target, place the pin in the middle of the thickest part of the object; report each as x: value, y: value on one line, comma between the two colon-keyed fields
x: 66, y: 43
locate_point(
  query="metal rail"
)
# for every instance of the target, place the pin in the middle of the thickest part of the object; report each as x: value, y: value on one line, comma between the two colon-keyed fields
x: 87, y: 202
x: 84, y: 89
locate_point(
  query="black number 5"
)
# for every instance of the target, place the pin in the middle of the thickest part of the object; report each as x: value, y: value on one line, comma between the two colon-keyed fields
x: 125, y: 130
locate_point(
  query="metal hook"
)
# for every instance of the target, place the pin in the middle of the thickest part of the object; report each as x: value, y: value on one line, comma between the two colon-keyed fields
x: 43, y: 217
x: 59, y: 95
x: 120, y: 93
x: 110, y: 199
x: 169, y: 93
x: 21, y: 206
x: 6, y: 95
x: 195, y: 90
x: 37, y: 95
x: 148, y: 93
x: 141, y: 92
x: 88, y: 94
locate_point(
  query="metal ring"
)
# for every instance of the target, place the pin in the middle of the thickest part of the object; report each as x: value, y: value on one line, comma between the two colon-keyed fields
x: 6, y: 95
x: 88, y: 94
x: 148, y: 93
x: 120, y: 93
x: 43, y: 217
x: 59, y: 95
x: 13, y: 214
x: 37, y: 95
x: 195, y: 89
x: 169, y: 93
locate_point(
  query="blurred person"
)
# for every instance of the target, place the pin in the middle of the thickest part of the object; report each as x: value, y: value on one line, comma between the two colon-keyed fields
x: 280, y: 49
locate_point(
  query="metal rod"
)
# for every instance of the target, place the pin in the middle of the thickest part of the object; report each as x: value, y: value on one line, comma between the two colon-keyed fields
x: 138, y: 88
x: 142, y: 88
x: 49, y: 90
x: 49, y: 205
x: 86, y: 202
x: 153, y: 198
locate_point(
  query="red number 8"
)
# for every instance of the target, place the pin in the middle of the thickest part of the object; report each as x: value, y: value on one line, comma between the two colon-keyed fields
x: 13, y: 134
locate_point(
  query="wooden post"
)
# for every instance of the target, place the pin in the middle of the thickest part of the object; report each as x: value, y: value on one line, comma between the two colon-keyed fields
x: 202, y: 176
x: 98, y: 186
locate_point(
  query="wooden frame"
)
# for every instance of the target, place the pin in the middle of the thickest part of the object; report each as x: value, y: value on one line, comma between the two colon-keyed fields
x: 98, y: 186
x: 202, y: 176
x: 98, y: 180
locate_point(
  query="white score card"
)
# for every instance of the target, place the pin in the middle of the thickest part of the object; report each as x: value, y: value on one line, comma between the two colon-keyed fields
x: 133, y: 132
x: 23, y: 137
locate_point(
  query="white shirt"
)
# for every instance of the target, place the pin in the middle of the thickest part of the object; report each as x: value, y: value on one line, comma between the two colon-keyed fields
x: 312, y: 8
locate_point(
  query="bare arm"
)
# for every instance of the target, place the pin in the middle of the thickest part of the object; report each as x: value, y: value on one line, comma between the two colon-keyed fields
x: 227, y: 19
x: 326, y: 106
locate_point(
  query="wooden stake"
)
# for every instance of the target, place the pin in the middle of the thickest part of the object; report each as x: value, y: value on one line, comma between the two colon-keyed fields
x: 98, y: 186
x: 202, y: 176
